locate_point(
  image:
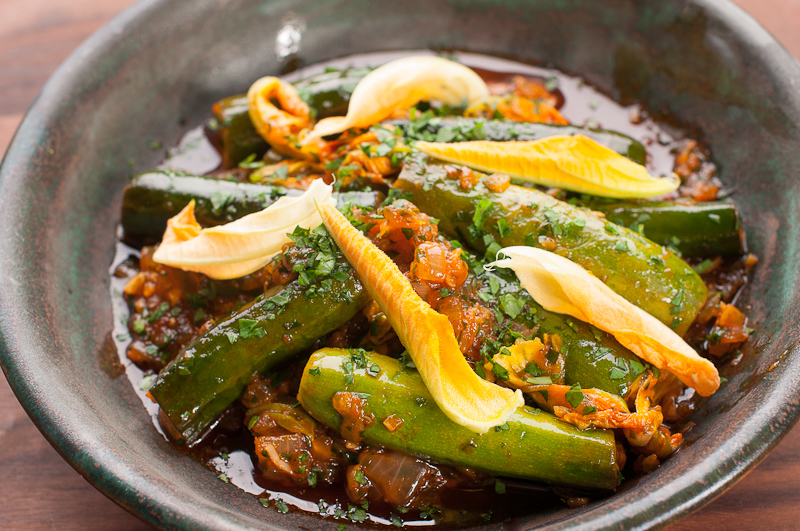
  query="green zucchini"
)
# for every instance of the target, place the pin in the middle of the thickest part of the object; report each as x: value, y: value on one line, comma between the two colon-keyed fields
x: 152, y: 198
x: 696, y: 230
x: 237, y: 133
x: 592, y: 358
x: 465, y: 129
x: 327, y: 94
x: 213, y: 370
x: 532, y: 445
x: 644, y: 273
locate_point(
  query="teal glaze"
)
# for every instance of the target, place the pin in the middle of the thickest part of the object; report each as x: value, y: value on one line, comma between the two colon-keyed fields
x: 156, y: 69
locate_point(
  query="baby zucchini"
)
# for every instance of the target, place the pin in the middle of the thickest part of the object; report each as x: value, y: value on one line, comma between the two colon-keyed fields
x: 213, y: 370
x: 644, y: 273
x: 532, y: 445
x: 152, y: 198
x: 696, y: 230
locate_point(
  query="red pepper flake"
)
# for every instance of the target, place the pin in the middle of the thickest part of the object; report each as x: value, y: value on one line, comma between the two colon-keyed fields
x: 392, y: 422
x: 498, y: 182
x: 468, y: 178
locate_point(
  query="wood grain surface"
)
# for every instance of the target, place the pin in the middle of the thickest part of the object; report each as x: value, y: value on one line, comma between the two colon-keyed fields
x: 39, y: 490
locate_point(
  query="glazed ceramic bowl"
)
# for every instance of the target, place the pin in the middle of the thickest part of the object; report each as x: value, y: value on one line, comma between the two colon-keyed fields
x: 153, y: 72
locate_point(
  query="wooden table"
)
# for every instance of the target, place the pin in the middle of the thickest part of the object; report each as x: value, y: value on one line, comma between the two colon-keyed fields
x: 39, y: 490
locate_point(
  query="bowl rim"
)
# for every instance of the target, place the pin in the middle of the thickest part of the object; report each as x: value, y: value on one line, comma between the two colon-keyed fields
x: 739, y: 456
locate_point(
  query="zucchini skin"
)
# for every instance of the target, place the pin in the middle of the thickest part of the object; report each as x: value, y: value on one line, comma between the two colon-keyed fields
x: 213, y: 370
x: 237, y: 133
x: 644, y: 273
x: 535, y: 446
x: 150, y: 199
x: 696, y: 230
x: 592, y: 358
x: 328, y: 93
x: 463, y: 129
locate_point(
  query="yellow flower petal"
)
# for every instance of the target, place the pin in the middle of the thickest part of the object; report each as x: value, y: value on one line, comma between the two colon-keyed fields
x: 562, y: 286
x: 574, y: 163
x: 242, y: 246
x: 400, y: 84
x: 462, y: 395
x: 280, y: 126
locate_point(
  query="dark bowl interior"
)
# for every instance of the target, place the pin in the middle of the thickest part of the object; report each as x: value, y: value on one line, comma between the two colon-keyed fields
x: 154, y: 71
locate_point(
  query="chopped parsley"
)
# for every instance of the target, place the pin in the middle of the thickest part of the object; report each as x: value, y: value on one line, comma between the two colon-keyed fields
x: 502, y: 228
x: 677, y: 302
x: 574, y: 395
x: 500, y: 372
x: 220, y: 200
x: 250, y: 162
x: 139, y: 326
x: 358, y: 477
x: 147, y: 382
x: 249, y: 328
x: 511, y: 305
x: 554, y: 221
x: 615, y: 373
x: 482, y: 212
x: 160, y: 311
x: 622, y: 245
x: 703, y: 267
x: 356, y: 514
x: 494, y: 285
x: 539, y: 380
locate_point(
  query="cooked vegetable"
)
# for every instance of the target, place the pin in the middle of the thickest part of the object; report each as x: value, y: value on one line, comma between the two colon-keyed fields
x: 237, y: 133
x: 326, y: 94
x: 578, y: 314
x: 579, y: 405
x: 562, y: 286
x: 592, y: 358
x: 646, y: 274
x: 468, y: 129
x: 462, y: 395
x: 575, y: 163
x: 242, y: 246
x: 280, y: 116
x: 152, y: 198
x: 400, y: 84
x: 553, y: 451
x: 696, y: 230
x: 211, y: 372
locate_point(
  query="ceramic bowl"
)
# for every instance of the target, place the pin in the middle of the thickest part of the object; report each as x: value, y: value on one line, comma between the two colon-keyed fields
x: 153, y: 72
